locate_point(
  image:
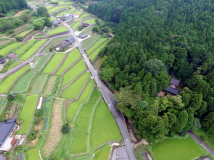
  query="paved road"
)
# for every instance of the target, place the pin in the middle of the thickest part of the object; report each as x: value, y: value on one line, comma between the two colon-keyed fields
x: 201, y: 142
x: 107, y: 96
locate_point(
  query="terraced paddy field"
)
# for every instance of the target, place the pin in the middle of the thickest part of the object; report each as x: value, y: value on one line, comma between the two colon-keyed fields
x: 90, y: 42
x: 13, y: 65
x: 32, y: 50
x: 103, y: 153
x: 49, y: 7
x: 72, y: 73
x: 58, y: 30
x: 56, y: 8
x: 26, y: 46
x: 23, y: 83
x: 33, y: 154
x: 75, y: 24
x: 39, y: 83
x: 41, y: 61
x: 27, y: 112
x: 54, y: 42
x: 24, y: 33
x: 65, y: 3
x: 88, y: 30
x: 97, y: 51
x: 68, y: 11
x: 90, y: 21
x: 78, y: 12
x: 96, y: 45
x: 71, y: 58
x: 9, y: 48
x: 5, y: 85
x: 50, y: 85
x: 74, y: 89
x: 53, y: 63
x: 84, y: 15
x: 80, y: 142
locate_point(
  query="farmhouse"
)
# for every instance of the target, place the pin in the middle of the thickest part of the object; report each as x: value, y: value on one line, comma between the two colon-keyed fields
x: 68, y: 16
x: 2, y: 60
x: 85, y: 24
x: 76, y: 16
x: 6, y: 130
x: 55, y: 22
x: 66, y: 43
x: 11, y: 56
x: 172, y: 88
x: 84, y: 36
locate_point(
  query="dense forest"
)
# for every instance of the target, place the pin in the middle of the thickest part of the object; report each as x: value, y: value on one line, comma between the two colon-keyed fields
x: 155, y: 40
x: 8, y: 5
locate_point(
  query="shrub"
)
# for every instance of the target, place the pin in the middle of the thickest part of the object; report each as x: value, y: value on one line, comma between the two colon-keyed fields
x: 32, y: 135
x: 10, y: 97
x: 39, y: 112
x: 183, y: 133
x: 19, y: 39
x: 65, y: 128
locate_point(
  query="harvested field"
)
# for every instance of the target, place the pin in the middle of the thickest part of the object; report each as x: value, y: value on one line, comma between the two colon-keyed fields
x: 33, y: 154
x: 74, y: 106
x: 103, y: 153
x: 97, y: 63
x: 58, y: 30
x: 96, y: 45
x: 9, y: 48
x: 90, y: 42
x: 53, y: 63
x: 5, y: 85
x: 50, y: 85
x: 73, y: 72
x: 55, y: 130
x: 39, y: 83
x: 19, y: 13
x: 41, y: 61
x: 80, y: 142
x: 23, y: 83
x: 55, y: 42
x: 74, y: 89
x: 71, y: 58
x: 97, y: 51
x: 25, y: 47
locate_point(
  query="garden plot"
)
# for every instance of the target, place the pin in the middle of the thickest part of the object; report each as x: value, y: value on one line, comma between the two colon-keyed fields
x: 74, y: 106
x: 9, y: 48
x: 68, y: 11
x: 177, y: 149
x: 33, y: 154
x: 58, y: 30
x: 90, y: 21
x: 55, y: 130
x: 88, y: 30
x: 90, y: 42
x: 97, y: 51
x: 32, y: 50
x: 103, y: 153
x: 41, y: 62
x: 80, y: 142
x: 22, y: 34
x: 75, y: 24
x: 72, y: 73
x: 96, y: 45
x: 74, y: 89
x: 53, y: 63
x: 55, y: 42
x: 39, y: 83
x: 50, y: 85
x: 5, y: 85
x: 27, y: 112
x: 56, y: 8
x: 104, y: 127
x: 13, y: 65
x: 25, y: 47
x: 71, y: 58
x: 23, y: 83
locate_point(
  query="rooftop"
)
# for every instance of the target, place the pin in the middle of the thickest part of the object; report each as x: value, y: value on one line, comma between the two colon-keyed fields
x: 172, y: 90
x: 5, y: 129
x: 174, y: 82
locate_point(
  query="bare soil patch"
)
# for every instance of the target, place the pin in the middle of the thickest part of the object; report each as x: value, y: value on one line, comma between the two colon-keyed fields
x: 19, y: 13
x: 97, y: 63
x: 4, y: 42
x: 50, y: 85
x: 39, y: 128
x: 55, y: 130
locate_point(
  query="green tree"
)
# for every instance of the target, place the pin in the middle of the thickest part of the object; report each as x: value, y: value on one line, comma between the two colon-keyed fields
x: 106, y: 74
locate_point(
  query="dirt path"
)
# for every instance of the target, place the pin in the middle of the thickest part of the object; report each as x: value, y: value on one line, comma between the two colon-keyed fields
x: 19, y: 13
x: 55, y: 130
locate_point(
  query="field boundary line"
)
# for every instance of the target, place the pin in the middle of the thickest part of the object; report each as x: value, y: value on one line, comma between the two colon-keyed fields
x: 43, y: 84
x: 40, y: 154
x: 109, y: 142
x: 71, y: 66
x: 46, y: 62
x: 60, y: 64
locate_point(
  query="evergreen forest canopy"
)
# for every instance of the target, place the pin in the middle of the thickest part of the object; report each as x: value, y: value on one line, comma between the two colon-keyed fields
x: 155, y: 40
x: 8, y: 5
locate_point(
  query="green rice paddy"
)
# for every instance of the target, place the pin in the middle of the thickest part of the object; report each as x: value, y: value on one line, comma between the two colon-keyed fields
x: 33, y: 154
x: 9, y: 48
x: 96, y: 45
x: 78, y: 12
x: 27, y: 112
x: 90, y: 21
x: 71, y: 58
x: 103, y: 153
x: 41, y: 61
x: 49, y: 7
x: 13, y: 65
x: 56, y: 8
x: 73, y: 72
x: 53, y: 63
x: 58, y: 30
x: 5, y: 85
x: 84, y: 15
x: 75, y: 25
x: 68, y: 11
x: 97, y: 51
x: 52, y: 18
x: 39, y: 83
x: 24, y: 33
x: 74, y: 89
x: 88, y: 30
x: 74, y: 106
x: 90, y: 42
x: 26, y: 46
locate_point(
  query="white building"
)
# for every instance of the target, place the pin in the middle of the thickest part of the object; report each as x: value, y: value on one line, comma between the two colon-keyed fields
x: 76, y: 16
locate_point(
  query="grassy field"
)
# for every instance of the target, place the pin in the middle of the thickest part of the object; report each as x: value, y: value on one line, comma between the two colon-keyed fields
x: 5, y: 85
x: 13, y: 65
x: 74, y: 106
x: 25, y: 47
x: 52, y: 18
x: 84, y: 15
x: 9, y: 48
x: 74, y: 89
x: 55, y: 42
x: 39, y: 83
x: 103, y: 153
x: 96, y: 45
x: 88, y: 30
x: 90, y: 21
x: 71, y: 58
x: 32, y: 50
x: 58, y: 30
x: 80, y: 141
x: 75, y: 25
x: 177, y: 149
x: 41, y: 61
x: 49, y: 7
x: 53, y: 63
x: 73, y: 72
x: 24, y: 33
x: 89, y: 43
x: 56, y: 8
x: 33, y: 154
x: 68, y: 11
x: 208, y: 138
x: 22, y: 85
x: 97, y: 51
x: 78, y: 12
x: 27, y: 112
x: 104, y: 127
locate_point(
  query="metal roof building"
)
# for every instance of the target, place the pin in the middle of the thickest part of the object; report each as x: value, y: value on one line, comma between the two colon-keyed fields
x: 5, y: 129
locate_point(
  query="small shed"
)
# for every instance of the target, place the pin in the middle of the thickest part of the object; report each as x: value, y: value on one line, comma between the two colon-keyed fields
x: 13, y: 141
x: 84, y: 36
x: 85, y: 24
x: 174, y: 82
x: 11, y: 56
x: 2, y: 61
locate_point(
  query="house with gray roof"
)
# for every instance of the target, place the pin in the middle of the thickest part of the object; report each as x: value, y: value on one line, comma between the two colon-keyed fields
x: 68, y: 16
x: 64, y: 44
x: 84, y: 36
x: 172, y: 88
x: 55, y: 22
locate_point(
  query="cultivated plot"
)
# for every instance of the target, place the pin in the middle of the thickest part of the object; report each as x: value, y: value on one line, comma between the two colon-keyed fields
x: 97, y: 51
x: 33, y: 154
x: 27, y: 112
x: 68, y: 11
x: 73, y: 72
x: 13, y: 65
x: 90, y: 21
x: 53, y: 63
x: 56, y: 8
x: 74, y: 89
x: 58, y: 30
x: 9, y: 48
x: 96, y: 45
x: 90, y: 42
x: 84, y: 15
x: 24, y: 33
x: 5, y: 85
x: 50, y: 85
x: 75, y: 24
x: 74, y: 106
x: 55, y: 42
x: 88, y: 30
x: 78, y: 12
x: 41, y: 61
x: 103, y: 153
x: 25, y: 47
x: 39, y: 83
x: 71, y: 58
